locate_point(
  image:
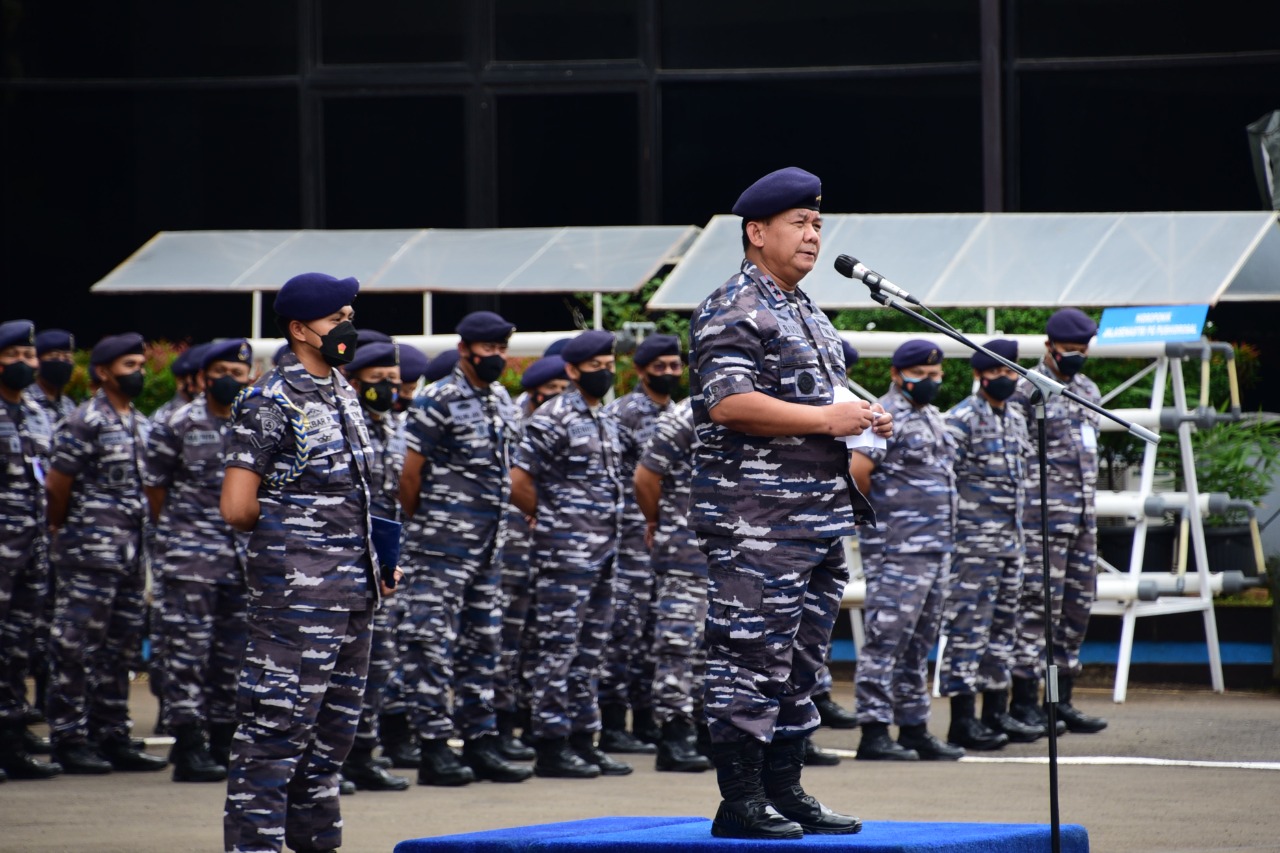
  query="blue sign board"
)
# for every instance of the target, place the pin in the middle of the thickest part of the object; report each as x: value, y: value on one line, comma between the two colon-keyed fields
x: 1158, y: 323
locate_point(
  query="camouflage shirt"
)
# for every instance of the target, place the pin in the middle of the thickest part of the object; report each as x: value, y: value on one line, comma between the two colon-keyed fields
x: 913, y: 484
x: 635, y: 413
x: 669, y: 454
x: 168, y: 409
x: 311, y: 545
x: 25, y: 439
x: 990, y: 468
x: 102, y: 450
x: 58, y: 410
x: 386, y: 435
x: 750, y: 335
x: 184, y: 456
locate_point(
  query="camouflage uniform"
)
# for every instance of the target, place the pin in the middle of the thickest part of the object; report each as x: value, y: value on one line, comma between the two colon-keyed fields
x: 1072, y: 443
x: 311, y: 576
x: 572, y: 453
x: 769, y: 511
x: 25, y: 437
x: 680, y: 569
x: 197, y: 557
x: 452, y: 556
x: 510, y: 685
x: 906, y: 559
x: 97, y: 554
x: 981, y: 610
x: 57, y: 410
x: 166, y: 410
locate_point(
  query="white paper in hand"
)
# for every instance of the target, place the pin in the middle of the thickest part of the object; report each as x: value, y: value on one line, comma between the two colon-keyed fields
x: 868, y: 438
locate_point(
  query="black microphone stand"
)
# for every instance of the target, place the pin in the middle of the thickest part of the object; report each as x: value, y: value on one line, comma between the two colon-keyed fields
x: 1045, y: 387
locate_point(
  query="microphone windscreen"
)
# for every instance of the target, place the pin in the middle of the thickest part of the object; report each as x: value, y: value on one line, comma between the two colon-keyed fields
x: 845, y: 265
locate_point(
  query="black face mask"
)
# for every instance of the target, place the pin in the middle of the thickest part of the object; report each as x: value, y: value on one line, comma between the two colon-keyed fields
x: 1068, y: 363
x: 17, y: 375
x: 402, y: 403
x: 664, y: 383
x: 225, y: 389
x: 57, y: 373
x: 130, y: 384
x: 379, y: 396
x: 338, y: 347
x: 921, y: 391
x: 595, y: 383
x: 540, y: 399
x: 488, y: 367
x: 1000, y: 387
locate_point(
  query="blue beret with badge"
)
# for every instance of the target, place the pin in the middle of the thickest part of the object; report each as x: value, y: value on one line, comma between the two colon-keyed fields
x: 112, y: 347
x: 915, y: 352
x: 188, y: 361
x: 54, y: 340
x: 587, y: 346
x: 376, y: 354
x: 17, y: 333
x: 556, y: 346
x: 485, y: 327
x: 1071, y: 326
x: 656, y: 346
x: 413, y: 364
x: 314, y: 294
x: 235, y: 349
x: 1000, y: 346
x: 784, y: 189
x: 850, y: 354
x: 440, y: 366
x: 371, y: 336
x: 544, y: 370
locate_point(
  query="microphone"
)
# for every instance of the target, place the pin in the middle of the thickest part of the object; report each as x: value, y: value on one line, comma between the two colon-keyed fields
x: 853, y: 268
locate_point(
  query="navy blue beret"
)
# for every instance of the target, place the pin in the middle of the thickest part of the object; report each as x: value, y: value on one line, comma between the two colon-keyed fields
x: 52, y: 340
x: 588, y: 345
x: 371, y: 336
x: 376, y: 354
x: 440, y: 366
x: 279, y: 354
x: 112, y: 347
x: 412, y: 363
x: 235, y: 349
x: 850, y: 354
x: 1071, y: 325
x: 916, y: 352
x: 777, y: 191
x: 556, y: 346
x: 485, y: 327
x: 188, y: 361
x: 656, y: 346
x: 314, y: 294
x: 542, y: 371
x: 17, y: 333
x: 999, y: 346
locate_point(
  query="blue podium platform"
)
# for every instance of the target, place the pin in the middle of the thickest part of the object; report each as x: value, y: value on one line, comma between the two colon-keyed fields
x: 693, y: 835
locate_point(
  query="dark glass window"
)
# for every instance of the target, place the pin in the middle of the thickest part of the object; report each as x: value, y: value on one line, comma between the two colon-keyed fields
x: 564, y: 30
x: 758, y: 34
x: 395, y: 162
x: 882, y: 146
x: 568, y: 160
x: 395, y: 31
x: 151, y: 38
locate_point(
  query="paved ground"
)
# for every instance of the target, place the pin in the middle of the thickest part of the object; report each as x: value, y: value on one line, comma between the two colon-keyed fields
x: 1230, y: 802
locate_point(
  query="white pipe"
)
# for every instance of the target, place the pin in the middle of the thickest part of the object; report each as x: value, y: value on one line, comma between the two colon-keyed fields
x: 1146, y: 586
x: 1136, y: 504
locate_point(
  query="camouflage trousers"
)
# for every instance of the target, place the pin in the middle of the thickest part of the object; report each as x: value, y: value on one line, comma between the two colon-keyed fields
x: 902, y: 612
x: 627, y: 655
x: 22, y: 598
x: 771, y: 607
x: 297, y: 704
x: 510, y: 687
x: 395, y: 611
x: 980, y: 622
x: 1073, y: 561
x: 449, y: 643
x: 680, y: 611
x: 573, y: 603
x: 95, y: 639
x: 204, y: 633
x: 384, y: 670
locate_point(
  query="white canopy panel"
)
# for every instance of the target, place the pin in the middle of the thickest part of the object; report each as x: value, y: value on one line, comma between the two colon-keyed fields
x: 981, y: 260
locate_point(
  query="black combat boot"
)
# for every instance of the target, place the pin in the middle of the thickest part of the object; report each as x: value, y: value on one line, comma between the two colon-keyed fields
x: 511, y: 747
x: 783, y: 762
x: 363, y: 770
x: 1076, y: 721
x: 816, y: 756
x: 745, y: 811
x: 614, y: 736
x: 81, y: 759
x: 678, y: 749
x: 704, y: 739
x: 484, y: 757
x: 645, y: 726
x: 996, y: 716
x: 440, y: 766
x: 876, y: 745
x: 967, y: 731
x: 124, y: 756
x: 34, y: 744
x: 557, y: 761
x: 1026, y: 708
x: 16, y: 762
x: 584, y: 743
x: 190, y: 756
x: 832, y: 715
x: 220, y: 737
x: 928, y: 747
x: 398, y: 742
